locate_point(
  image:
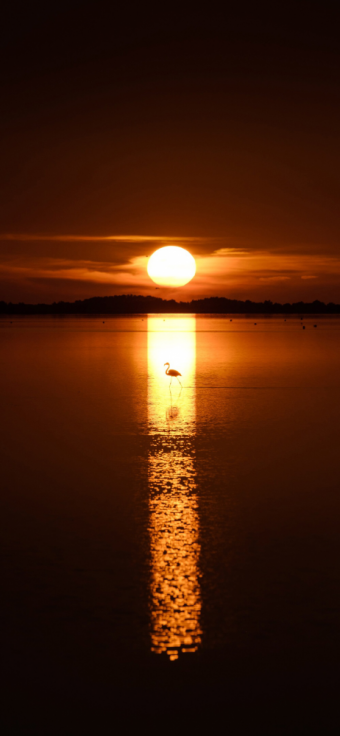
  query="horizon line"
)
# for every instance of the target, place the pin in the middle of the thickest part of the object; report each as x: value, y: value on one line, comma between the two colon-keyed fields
x: 268, y: 302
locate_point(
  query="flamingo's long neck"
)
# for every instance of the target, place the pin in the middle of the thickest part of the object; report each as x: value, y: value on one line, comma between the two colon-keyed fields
x: 167, y: 370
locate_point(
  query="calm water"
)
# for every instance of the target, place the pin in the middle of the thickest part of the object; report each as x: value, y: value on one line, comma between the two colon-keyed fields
x: 170, y: 552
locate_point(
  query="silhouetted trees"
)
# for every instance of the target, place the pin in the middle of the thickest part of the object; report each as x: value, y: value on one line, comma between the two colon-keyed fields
x: 134, y: 304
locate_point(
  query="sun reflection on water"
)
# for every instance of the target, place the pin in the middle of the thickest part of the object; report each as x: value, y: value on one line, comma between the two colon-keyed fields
x: 175, y: 596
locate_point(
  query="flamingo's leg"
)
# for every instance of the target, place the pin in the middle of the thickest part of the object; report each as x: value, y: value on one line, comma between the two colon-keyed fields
x: 179, y: 381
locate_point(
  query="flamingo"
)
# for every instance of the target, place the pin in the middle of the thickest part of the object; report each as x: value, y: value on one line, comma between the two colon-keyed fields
x: 173, y: 374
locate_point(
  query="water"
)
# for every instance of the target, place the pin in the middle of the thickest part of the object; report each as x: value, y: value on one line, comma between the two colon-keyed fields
x: 170, y: 551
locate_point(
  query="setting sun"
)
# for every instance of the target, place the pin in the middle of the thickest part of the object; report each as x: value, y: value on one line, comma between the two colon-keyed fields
x: 171, y: 266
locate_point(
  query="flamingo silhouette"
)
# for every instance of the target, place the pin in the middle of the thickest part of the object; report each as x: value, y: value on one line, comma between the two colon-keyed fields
x: 173, y: 374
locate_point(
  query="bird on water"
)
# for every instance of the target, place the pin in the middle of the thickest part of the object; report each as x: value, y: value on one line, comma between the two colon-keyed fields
x: 173, y: 374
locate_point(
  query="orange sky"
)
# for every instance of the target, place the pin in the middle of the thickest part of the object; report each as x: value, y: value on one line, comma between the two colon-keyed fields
x: 217, y: 135
x: 39, y: 268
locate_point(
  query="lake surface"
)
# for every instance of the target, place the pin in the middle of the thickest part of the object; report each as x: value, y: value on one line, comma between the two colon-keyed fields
x: 170, y: 554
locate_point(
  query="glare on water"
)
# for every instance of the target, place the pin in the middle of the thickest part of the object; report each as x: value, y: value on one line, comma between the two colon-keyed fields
x: 203, y: 519
x: 175, y: 597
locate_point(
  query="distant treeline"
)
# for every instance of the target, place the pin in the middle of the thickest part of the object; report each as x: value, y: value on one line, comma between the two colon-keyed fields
x: 131, y: 304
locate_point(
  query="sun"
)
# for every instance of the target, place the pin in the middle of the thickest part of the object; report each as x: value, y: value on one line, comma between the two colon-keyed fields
x: 171, y: 266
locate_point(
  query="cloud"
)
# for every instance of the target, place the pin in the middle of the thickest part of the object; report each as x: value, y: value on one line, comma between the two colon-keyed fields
x: 117, y: 264
x: 275, y: 278
x: 35, y: 237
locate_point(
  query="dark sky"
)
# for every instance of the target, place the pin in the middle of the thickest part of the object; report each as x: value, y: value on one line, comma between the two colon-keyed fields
x: 216, y: 125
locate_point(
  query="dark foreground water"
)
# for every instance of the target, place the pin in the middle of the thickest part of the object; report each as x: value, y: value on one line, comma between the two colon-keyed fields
x: 170, y: 557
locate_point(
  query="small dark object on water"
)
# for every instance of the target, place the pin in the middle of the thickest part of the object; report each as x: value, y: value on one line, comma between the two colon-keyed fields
x: 255, y: 323
x: 314, y: 325
x: 230, y: 320
x: 304, y: 327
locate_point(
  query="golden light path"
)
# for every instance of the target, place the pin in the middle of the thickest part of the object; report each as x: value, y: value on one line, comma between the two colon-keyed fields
x: 171, y: 266
x: 175, y: 595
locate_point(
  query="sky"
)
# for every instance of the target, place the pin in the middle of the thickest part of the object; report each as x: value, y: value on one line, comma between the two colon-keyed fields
x: 129, y: 128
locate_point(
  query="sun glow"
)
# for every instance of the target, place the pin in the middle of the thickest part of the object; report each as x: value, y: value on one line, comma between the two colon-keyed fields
x: 174, y: 525
x: 171, y: 266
